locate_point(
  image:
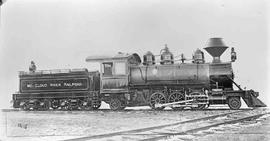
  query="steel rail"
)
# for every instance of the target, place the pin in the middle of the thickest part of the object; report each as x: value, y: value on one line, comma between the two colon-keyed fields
x: 100, y: 136
x: 203, y: 128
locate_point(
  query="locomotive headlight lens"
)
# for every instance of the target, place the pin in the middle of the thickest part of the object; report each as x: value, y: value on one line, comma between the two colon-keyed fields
x: 256, y: 94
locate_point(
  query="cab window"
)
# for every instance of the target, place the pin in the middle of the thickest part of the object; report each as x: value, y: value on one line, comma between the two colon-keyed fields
x: 107, y: 68
x: 120, y: 68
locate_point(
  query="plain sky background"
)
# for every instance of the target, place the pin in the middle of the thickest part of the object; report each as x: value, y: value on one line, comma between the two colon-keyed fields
x: 60, y: 34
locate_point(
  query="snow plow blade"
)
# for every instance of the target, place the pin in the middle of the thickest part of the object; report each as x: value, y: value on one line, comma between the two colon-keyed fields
x: 251, y: 99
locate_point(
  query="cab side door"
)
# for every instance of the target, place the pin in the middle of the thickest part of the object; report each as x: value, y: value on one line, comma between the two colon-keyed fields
x: 114, y: 77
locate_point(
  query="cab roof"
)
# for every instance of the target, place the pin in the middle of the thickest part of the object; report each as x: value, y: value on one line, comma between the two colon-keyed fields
x: 120, y: 56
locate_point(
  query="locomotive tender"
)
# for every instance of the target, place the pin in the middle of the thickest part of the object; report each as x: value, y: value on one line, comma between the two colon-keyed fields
x: 65, y: 89
x: 126, y: 81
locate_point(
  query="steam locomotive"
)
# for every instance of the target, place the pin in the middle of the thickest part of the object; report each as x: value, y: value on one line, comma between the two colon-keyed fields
x: 125, y: 81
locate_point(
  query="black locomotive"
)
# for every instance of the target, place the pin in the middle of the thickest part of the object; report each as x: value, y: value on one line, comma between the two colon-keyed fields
x: 126, y: 81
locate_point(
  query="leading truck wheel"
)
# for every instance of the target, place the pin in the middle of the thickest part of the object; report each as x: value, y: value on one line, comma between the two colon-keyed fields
x: 234, y: 103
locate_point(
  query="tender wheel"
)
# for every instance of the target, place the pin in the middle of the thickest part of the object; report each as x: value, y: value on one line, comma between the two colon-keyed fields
x: 32, y: 104
x: 73, y: 104
x: 55, y: 104
x: 96, y: 105
x: 175, y: 97
x: 157, y: 98
x: 44, y: 105
x: 25, y: 106
x: 115, y: 104
x: 85, y: 105
x: 234, y: 103
x: 65, y: 104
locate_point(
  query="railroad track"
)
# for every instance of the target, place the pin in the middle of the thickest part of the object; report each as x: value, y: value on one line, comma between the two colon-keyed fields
x: 190, y: 131
x: 178, y: 128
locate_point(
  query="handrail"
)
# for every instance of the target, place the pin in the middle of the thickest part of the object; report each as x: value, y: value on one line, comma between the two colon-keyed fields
x: 238, y: 86
x: 53, y: 71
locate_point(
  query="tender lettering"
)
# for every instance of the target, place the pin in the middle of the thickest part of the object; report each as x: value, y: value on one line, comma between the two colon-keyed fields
x: 40, y: 85
x: 72, y: 84
x: 29, y: 85
x: 55, y: 84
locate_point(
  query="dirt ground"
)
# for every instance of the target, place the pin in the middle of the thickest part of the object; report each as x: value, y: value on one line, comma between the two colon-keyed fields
x: 253, y: 130
x: 59, y: 125
x: 257, y: 130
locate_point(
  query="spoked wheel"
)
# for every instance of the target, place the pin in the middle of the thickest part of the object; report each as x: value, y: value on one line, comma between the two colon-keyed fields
x: 197, y: 96
x: 25, y: 106
x: 175, y: 97
x: 73, y: 104
x: 44, y: 105
x: 65, y: 104
x: 157, y: 98
x: 32, y: 104
x: 55, y: 104
x: 85, y: 105
x: 96, y: 105
x: 234, y: 102
x: 115, y: 104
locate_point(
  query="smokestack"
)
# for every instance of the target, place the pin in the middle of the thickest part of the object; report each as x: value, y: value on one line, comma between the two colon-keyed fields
x: 215, y: 47
x: 2, y: 1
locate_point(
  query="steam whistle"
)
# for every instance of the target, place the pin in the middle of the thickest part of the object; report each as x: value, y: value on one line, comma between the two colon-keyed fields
x: 233, y: 55
x: 183, y: 58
